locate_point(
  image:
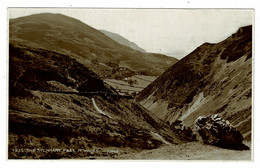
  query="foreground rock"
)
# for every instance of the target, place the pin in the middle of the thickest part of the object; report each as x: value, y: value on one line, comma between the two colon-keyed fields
x: 216, y: 131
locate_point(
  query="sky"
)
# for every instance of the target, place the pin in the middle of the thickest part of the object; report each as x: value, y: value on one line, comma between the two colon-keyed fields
x: 177, y: 31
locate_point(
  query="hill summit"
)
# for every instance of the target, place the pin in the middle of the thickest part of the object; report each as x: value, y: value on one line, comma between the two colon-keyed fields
x: 91, y: 47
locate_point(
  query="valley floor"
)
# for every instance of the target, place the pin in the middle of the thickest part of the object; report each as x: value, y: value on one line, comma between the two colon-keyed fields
x: 189, y: 151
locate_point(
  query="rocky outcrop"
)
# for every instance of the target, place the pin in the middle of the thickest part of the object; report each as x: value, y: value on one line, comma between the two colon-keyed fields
x: 216, y: 131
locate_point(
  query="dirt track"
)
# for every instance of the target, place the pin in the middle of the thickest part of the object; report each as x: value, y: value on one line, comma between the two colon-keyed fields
x: 190, y: 151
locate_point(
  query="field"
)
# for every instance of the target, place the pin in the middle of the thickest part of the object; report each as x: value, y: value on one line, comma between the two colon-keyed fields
x: 124, y: 88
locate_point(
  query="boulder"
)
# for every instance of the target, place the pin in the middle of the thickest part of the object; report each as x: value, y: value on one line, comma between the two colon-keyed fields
x: 216, y: 131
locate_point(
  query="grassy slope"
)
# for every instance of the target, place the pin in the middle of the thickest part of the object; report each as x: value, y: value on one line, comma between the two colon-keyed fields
x: 43, y: 115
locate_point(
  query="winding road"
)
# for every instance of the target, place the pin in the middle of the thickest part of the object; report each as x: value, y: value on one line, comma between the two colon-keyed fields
x: 98, y: 109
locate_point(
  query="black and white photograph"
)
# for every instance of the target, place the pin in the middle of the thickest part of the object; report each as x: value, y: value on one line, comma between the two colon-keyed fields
x: 130, y: 84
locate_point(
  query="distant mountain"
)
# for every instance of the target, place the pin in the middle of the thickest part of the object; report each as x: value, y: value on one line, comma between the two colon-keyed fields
x: 122, y: 40
x: 214, y: 78
x: 92, y: 48
x: 178, y: 55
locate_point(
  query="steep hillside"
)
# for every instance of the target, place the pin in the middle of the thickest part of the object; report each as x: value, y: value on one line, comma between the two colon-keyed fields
x: 122, y: 40
x: 214, y: 78
x: 92, y: 48
x: 56, y: 103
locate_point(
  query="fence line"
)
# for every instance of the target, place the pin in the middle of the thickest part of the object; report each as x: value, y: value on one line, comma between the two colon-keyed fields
x: 89, y: 93
x: 143, y: 79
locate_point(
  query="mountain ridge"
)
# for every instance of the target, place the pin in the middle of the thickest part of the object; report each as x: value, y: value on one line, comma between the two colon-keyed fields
x: 92, y: 48
x: 120, y: 39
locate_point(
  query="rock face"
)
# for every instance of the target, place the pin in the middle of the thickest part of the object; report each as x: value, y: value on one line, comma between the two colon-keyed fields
x: 216, y: 131
x: 213, y: 79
